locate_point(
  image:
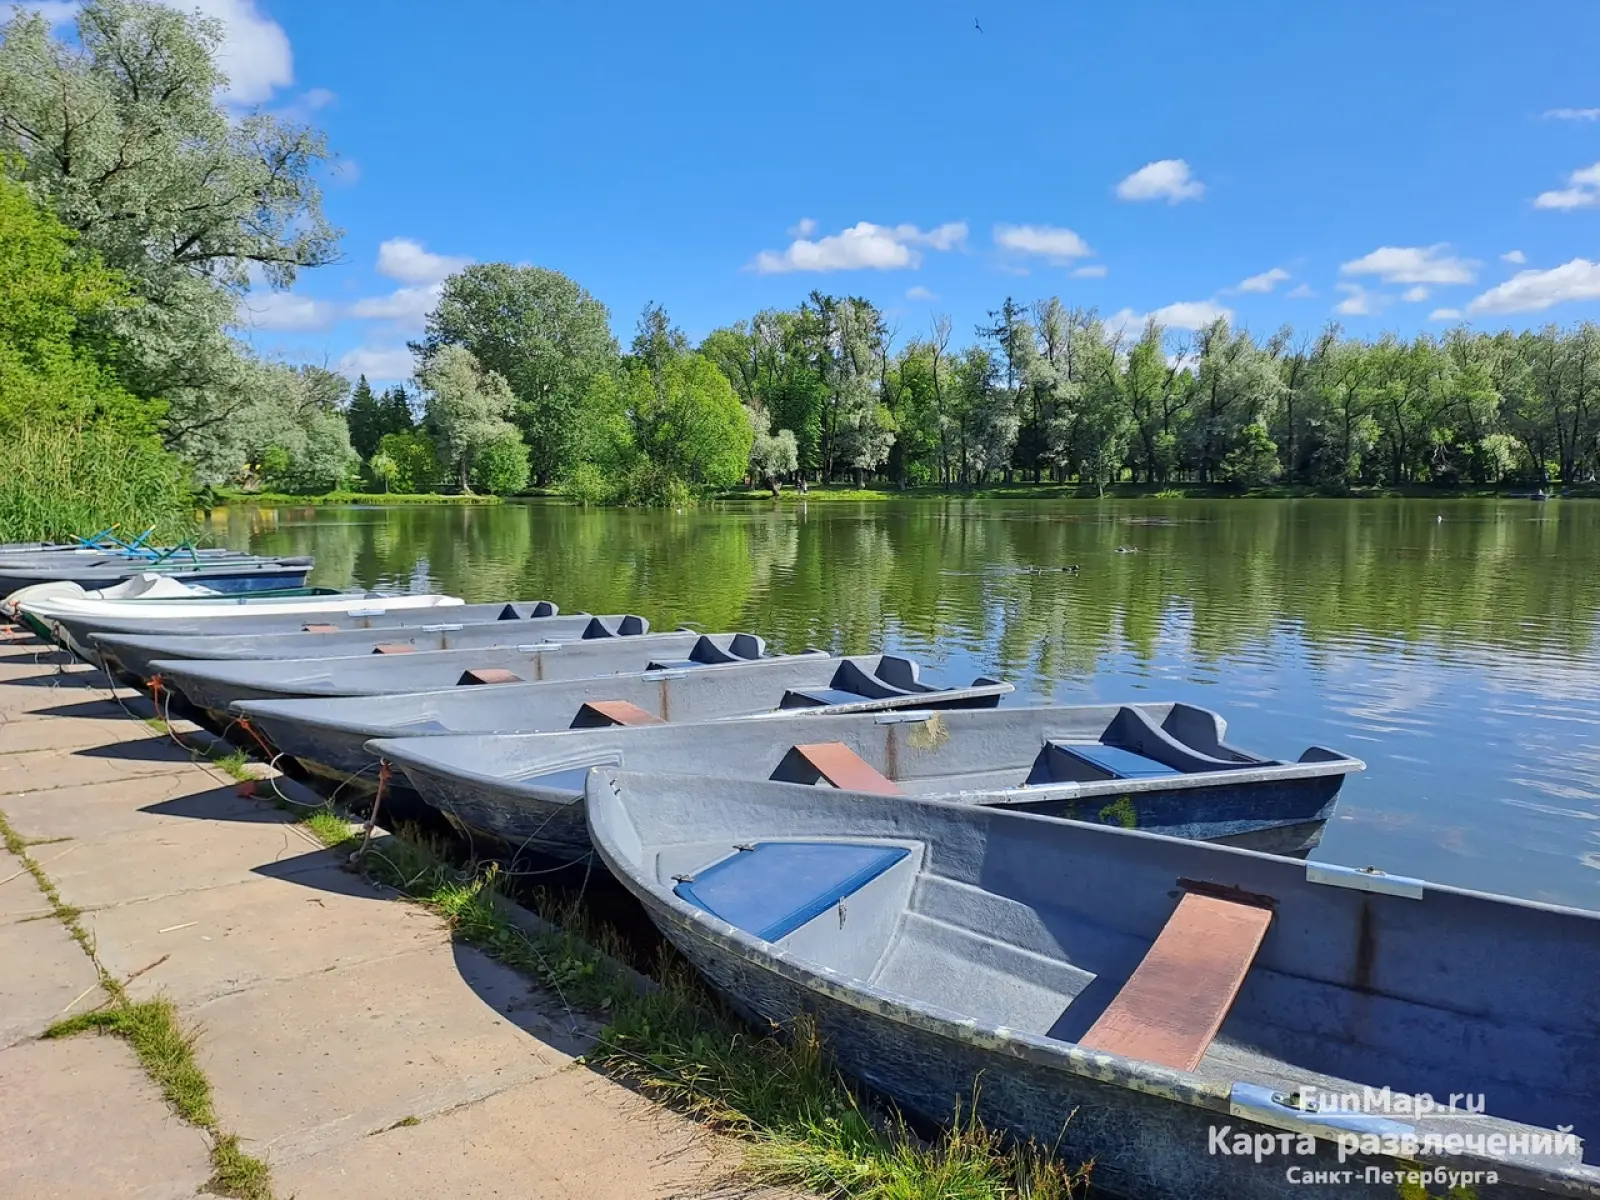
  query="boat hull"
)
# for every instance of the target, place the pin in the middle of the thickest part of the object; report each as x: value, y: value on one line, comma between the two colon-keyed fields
x: 1143, y: 1145
x: 1285, y: 817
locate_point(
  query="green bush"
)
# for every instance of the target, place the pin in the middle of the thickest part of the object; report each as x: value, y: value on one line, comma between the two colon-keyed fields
x: 416, y: 463
x: 587, y: 484
x: 501, y: 467
x: 58, y: 481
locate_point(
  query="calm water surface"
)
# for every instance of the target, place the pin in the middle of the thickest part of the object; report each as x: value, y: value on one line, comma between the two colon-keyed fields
x: 1458, y: 656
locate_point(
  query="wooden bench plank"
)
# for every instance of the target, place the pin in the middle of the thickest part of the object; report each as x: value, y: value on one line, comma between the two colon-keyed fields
x: 489, y: 675
x: 845, y: 769
x: 1175, y: 1001
x: 394, y: 648
x: 613, y: 712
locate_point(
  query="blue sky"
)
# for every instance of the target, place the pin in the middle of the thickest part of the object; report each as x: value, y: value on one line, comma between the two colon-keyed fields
x: 1383, y: 165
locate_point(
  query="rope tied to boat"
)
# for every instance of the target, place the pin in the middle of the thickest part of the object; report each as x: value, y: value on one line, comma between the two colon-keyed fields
x: 244, y: 724
x: 384, y: 774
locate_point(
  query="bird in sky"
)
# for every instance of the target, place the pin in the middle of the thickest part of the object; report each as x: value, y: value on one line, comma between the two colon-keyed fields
x: 976, y: 26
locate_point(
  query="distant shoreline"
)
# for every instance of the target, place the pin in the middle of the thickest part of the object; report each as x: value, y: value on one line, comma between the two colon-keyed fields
x: 228, y: 499
x: 1128, y: 491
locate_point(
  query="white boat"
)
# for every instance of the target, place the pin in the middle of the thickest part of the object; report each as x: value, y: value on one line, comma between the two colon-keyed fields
x: 70, y: 620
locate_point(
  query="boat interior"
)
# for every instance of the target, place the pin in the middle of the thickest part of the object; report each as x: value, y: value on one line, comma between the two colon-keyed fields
x: 1241, y: 968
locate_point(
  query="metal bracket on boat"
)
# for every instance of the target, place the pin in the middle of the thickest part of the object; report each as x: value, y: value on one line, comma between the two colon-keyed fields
x: 1365, y: 879
x: 902, y: 717
x: 1301, y: 1114
x: 441, y: 628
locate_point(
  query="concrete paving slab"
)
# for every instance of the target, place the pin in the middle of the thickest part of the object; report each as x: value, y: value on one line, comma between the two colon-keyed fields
x: 99, y: 765
x: 224, y: 939
x: 322, y: 1060
x: 45, y: 972
x: 71, y: 724
x: 107, y: 812
x: 570, y: 1136
x: 56, y: 695
x: 184, y: 856
x: 81, y: 1121
x: 20, y: 897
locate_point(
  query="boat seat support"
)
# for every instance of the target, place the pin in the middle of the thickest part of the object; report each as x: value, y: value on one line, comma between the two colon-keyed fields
x: 596, y: 713
x: 845, y: 769
x: 489, y: 675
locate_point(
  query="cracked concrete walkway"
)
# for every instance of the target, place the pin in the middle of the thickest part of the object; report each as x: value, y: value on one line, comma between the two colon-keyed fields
x: 349, y: 1041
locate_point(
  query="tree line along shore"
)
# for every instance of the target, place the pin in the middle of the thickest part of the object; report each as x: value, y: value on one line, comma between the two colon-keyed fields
x: 138, y: 215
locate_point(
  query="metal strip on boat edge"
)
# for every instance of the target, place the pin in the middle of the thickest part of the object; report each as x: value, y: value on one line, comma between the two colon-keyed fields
x: 904, y: 717
x: 1365, y: 879
x: 1266, y: 1107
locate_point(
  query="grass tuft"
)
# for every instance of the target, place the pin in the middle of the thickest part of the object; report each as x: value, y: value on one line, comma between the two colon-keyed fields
x: 164, y: 1047
x: 235, y: 1173
x: 237, y: 764
x: 327, y: 827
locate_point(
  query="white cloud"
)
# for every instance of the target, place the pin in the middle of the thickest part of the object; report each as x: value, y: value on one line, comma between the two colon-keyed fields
x: 383, y: 364
x: 1445, y: 314
x: 1300, y: 291
x: 254, y: 53
x: 1186, y: 314
x: 864, y: 246
x: 1533, y: 291
x: 1565, y: 198
x: 1414, y: 295
x: 1265, y: 281
x: 803, y: 228
x: 920, y: 293
x: 255, y: 50
x: 318, y: 98
x: 406, y: 260
x: 1358, y: 301
x: 1582, y: 191
x: 1167, y: 179
x: 1413, y: 264
x: 285, y: 311
x: 1572, y: 114
x: 1054, y: 243
x: 1092, y: 271
x: 407, y: 307
x: 1514, y: 256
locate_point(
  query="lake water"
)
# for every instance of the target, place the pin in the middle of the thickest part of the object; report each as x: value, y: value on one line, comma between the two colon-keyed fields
x: 1452, y: 645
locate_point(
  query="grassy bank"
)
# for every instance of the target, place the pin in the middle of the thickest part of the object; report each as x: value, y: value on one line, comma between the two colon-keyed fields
x: 222, y: 498
x: 1136, y: 491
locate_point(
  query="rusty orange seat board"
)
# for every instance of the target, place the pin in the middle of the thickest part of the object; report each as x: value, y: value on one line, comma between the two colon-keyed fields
x: 1175, y: 1001
x: 614, y: 712
x: 845, y: 769
x: 319, y: 628
x: 489, y: 675
x: 394, y: 648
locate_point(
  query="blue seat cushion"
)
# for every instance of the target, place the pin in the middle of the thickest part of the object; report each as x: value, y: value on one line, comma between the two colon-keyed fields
x: 1116, y: 761
x: 776, y: 887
